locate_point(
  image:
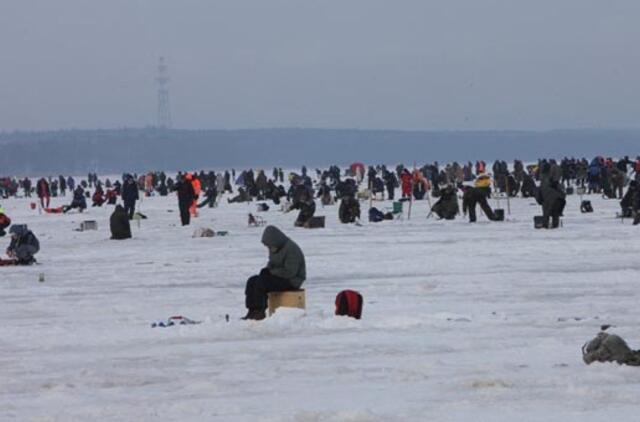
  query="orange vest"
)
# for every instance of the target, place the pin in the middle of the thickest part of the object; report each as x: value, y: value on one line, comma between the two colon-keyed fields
x: 196, y: 186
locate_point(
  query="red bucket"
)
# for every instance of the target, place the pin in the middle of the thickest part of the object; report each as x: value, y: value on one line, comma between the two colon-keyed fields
x: 33, y: 205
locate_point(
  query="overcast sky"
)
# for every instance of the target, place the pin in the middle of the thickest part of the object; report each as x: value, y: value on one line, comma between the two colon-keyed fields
x: 397, y: 64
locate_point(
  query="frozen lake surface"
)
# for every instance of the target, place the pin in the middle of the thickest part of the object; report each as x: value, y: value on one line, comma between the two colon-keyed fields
x: 461, y: 322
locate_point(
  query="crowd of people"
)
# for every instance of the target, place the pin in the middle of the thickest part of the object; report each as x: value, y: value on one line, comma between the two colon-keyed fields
x: 548, y: 181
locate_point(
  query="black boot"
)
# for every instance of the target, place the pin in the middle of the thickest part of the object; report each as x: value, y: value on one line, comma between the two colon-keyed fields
x: 555, y: 222
x: 255, y: 314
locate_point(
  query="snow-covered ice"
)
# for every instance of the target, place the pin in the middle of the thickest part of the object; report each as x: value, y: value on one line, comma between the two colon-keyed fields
x: 461, y: 322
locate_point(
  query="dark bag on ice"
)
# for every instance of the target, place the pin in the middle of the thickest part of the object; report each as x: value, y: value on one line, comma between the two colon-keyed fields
x: 349, y: 302
x: 375, y: 215
x: 585, y: 207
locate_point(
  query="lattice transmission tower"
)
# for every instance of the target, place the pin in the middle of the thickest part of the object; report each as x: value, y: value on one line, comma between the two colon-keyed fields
x: 164, y: 111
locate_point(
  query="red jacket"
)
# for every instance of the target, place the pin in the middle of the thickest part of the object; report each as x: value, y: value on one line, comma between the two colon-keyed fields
x: 406, y: 179
x: 4, y: 221
x: 42, y: 188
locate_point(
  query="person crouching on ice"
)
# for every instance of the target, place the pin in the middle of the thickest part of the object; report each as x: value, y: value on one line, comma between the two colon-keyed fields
x: 286, y: 270
x: 24, y: 245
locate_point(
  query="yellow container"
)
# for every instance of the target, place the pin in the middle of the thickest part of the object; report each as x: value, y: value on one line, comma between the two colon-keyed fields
x: 289, y: 299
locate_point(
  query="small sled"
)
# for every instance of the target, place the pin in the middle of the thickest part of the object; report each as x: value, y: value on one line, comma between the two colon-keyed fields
x: 58, y: 210
x: 8, y: 262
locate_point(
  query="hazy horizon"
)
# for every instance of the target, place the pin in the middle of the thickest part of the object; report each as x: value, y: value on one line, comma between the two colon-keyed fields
x: 327, y: 129
x: 144, y: 149
x: 411, y: 65
x: 293, y: 128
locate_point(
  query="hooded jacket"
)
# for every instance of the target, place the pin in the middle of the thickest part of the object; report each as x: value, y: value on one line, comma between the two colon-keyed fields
x: 288, y: 260
x: 349, y: 210
x: 24, y: 245
x: 130, y: 191
x: 119, y: 224
x: 550, y: 194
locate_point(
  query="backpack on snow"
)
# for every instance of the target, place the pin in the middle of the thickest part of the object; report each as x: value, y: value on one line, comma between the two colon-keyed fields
x: 349, y: 303
x: 376, y: 216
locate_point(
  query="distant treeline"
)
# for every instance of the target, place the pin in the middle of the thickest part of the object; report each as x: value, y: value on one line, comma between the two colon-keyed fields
x: 116, y: 150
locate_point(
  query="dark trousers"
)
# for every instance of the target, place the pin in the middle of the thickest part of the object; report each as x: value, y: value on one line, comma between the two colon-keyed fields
x: 185, y: 216
x: 259, y: 285
x: 130, y: 208
x: 391, y: 193
x: 556, y: 211
x: 485, y: 207
x: 44, y: 201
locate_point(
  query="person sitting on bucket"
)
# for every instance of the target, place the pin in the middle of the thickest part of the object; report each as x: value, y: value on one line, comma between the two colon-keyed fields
x: 286, y: 270
x: 24, y: 245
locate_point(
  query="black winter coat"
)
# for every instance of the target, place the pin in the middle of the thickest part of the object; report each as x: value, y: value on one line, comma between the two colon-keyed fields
x: 119, y: 224
x: 186, y: 194
x: 130, y: 191
x: 349, y: 210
